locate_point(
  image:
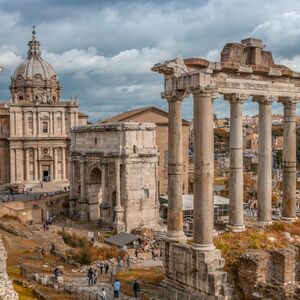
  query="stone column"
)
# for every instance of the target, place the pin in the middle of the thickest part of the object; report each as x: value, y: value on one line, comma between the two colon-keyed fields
x: 236, y: 189
x: 36, y: 171
x: 27, y: 164
x: 55, y: 163
x: 12, y: 165
x: 175, y: 206
x: 83, y: 200
x: 264, y: 189
x: 119, y: 210
x: 63, y: 165
x: 63, y: 123
x: 289, y: 207
x: 203, y: 170
x: 72, y: 178
x: 103, y: 176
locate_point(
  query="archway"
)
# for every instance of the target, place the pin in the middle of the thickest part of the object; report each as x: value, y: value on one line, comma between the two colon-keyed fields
x: 94, y: 193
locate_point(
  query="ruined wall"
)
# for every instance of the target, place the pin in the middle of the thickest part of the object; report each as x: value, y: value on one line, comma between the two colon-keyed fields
x: 6, y: 288
x: 194, y: 274
x: 140, y: 193
x: 269, y: 275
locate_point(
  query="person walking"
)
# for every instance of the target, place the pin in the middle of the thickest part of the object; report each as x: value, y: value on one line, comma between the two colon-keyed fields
x: 102, y: 295
x: 136, y: 253
x: 90, y: 275
x: 95, y: 276
x: 106, y: 267
x: 136, y: 288
x: 117, y: 287
x: 101, y: 268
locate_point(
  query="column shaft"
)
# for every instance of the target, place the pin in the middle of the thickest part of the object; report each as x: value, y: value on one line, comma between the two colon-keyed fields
x: 63, y: 164
x: 55, y: 163
x: 82, y: 179
x: 119, y: 210
x: 236, y: 190
x: 175, y: 205
x: 264, y: 189
x: 27, y: 164
x: 103, y: 176
x: 36, y: 171
x: 289, y: 208
x: 203, y: 172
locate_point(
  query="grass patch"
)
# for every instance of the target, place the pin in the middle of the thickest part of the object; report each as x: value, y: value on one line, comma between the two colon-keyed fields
x: 8, y: 217
x: 24, y: 293
x: 89, y: 254
x: 74, y: 241
x: 233, y: 245
x: 151, y: 276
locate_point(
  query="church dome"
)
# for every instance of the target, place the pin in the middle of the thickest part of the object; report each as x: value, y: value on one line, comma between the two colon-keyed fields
x: 34, y: 66
x: 34, y: 80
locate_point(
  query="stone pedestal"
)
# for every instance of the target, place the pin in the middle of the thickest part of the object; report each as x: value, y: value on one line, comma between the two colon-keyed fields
x: 193, y: 274
x: 119, y: 225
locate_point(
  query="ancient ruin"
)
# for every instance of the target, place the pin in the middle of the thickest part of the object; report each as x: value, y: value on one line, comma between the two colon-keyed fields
x: 7, y: 291
x: 114, y: 174
x: 245, y: 70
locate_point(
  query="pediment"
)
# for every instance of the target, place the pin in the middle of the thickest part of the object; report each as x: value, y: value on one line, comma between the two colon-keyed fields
x: 46, y: 157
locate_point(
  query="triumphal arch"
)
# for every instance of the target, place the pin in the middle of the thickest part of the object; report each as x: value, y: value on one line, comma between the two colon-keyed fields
x: 245, y: 71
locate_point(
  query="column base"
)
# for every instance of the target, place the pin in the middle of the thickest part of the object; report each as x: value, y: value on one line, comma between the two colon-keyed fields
x: 235, y: 228
x: 176, y: 237
x: 289, y: 220
x: 263, y: 223
x: 203, y: 247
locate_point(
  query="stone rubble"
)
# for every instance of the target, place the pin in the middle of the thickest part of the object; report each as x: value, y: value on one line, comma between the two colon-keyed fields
x: 7, y: 291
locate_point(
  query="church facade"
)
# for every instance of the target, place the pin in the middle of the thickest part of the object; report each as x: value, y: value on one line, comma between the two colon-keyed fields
x: 35, y: 125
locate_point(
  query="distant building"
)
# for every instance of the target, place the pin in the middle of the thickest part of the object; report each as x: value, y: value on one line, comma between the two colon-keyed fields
x: 35, y: 125
x: 160, y: 118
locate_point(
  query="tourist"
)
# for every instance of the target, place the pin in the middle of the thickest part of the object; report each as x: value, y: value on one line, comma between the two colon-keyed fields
x: 101, y: 266
x: 125, y: 248
x: 106, y: 266
x: 95, y: 277
x: 119, y: 259
x: 136, y: 288
x: 90, y: 275
x: 117, y: 287
x: 128, y: 261
x: 136, y: 253
x: 56, y: 274
x: 102, y: 295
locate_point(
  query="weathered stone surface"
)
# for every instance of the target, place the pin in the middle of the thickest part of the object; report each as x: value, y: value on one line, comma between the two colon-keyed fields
x: 268, y: 275
x: 7, y: 291
x: 114, y: 174
x: 192, y: 273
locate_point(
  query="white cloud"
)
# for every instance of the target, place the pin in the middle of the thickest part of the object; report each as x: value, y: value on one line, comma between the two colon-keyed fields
x: 132, y: 61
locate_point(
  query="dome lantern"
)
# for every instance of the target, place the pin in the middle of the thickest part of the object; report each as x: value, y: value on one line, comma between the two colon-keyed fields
x: 34, y: 80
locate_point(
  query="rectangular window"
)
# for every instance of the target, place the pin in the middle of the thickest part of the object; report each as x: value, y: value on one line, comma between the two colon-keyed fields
x: 45, y: 127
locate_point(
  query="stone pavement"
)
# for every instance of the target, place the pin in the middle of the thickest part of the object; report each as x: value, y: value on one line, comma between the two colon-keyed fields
x: 81, y: 286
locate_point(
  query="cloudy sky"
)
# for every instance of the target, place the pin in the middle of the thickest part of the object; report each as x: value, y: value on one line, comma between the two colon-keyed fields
x: 102, y: 50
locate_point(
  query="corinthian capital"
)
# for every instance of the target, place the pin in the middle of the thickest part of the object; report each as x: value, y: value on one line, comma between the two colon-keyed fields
x: 204, y: 90
x: 236, y: 97
x: 177, y: 95
x: 267, y: 100
x: 288, y: 102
